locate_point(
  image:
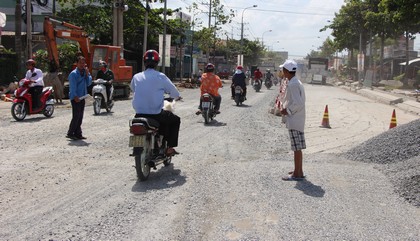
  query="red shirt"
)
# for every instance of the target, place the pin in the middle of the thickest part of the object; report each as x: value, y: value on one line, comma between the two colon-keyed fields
x: 210, y: 83
x: 257, y: 74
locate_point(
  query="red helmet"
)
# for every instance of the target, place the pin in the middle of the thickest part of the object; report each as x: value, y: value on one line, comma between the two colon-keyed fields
x: 151, y: 58
x: 151, y: 55
x: 209, y: 67
x: 240, y: 67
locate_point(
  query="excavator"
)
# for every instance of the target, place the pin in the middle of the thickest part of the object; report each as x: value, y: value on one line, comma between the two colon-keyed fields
x: 92, y: 53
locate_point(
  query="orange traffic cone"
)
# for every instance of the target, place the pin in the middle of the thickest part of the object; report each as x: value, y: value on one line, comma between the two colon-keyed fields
x: 393, y: 120
x: 325, y: 120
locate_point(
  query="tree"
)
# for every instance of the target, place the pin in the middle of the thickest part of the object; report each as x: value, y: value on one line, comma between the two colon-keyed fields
x: 349, y: 28
x: 405, y: 16
x: 379, y: 24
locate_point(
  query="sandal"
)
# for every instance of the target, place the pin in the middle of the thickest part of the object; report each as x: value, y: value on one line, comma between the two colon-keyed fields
x: 292, y: 178
x: 291, y: 173
x: 171, y: 152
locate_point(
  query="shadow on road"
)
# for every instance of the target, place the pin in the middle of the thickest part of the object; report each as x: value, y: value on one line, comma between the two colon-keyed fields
x: 310, y: 189
x: 164, y: 177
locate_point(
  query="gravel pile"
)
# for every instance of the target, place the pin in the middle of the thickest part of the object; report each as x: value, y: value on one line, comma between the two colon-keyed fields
x: 398, y: 152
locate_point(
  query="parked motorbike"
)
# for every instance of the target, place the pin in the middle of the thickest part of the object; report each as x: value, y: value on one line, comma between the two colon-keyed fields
x: 268, y: 83
x: 239, y: 97
x: 100, y: 96
x: 257, y: 85
x: 207, y: 108
x: 22, y: 104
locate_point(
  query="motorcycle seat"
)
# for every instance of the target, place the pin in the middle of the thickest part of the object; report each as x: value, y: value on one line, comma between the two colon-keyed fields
x: 149, y: 122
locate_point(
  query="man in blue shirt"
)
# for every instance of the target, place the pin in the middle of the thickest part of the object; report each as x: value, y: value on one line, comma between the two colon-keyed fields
x: 79, y: 80
x: 149, y: 88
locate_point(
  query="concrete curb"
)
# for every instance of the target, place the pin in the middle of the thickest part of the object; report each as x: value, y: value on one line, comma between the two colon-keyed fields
x: 405, y: 104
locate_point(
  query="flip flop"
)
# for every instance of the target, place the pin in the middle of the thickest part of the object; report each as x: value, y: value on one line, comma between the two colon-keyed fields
x: 171, y: 152
x: 292, y: 178
x: 291, y: 173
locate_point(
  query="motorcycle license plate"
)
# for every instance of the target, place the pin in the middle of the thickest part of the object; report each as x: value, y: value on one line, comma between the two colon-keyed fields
x: 205, y: 104
x: 137, y: 141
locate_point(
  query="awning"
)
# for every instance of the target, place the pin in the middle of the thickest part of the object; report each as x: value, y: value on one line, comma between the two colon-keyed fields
x: 410, y: 62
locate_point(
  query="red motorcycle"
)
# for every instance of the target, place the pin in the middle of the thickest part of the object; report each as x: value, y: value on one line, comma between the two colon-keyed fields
x: 22, y: 104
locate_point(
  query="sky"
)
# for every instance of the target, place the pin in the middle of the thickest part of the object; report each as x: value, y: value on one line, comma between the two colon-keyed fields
x: 294, y: 24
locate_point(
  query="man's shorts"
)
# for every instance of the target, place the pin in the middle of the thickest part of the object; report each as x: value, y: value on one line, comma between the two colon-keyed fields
x: 297, y: 139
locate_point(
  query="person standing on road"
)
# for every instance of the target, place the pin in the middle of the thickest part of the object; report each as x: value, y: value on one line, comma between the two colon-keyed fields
x: 79, y: 80
x: 149, y: 88
x: 294, y: 111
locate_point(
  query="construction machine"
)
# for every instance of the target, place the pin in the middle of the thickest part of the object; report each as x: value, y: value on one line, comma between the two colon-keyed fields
x: 92, y: 53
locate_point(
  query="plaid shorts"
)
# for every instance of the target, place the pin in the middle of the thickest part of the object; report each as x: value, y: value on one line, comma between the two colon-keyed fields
x: 297, y: 139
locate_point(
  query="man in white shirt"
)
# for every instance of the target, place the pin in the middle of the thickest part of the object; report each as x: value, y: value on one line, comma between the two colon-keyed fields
x: 36, y: 76
x: 294, y: 111
x: 149, y: 88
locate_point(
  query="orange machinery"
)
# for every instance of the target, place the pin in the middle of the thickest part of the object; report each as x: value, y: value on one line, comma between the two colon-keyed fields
x: 92, y: 53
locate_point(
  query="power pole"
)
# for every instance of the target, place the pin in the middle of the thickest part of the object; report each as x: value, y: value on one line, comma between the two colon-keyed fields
x: 28, y: 29
x: 117, y: 33
x: 164, y: 39
x: 146, y: 22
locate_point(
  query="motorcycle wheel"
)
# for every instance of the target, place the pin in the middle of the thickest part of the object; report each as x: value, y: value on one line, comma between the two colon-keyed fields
x: 142, y: 168
x: 18, y: 111
x: 237, y: 100
x: 97, y: 106
x: 48, y: 111
x: 206, y: 116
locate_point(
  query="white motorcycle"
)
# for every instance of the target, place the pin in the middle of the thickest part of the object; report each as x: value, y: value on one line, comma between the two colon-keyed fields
x: 100, y: 97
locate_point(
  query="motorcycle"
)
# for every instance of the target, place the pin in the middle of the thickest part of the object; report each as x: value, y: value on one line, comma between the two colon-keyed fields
x: 239, y: 98
x: 22, y: 104
x: 100, y: 96
x: 268, y: 83
x: 276, y: 81
x: 257, y: 85
x: 207, y: 108
x: 148, y: 145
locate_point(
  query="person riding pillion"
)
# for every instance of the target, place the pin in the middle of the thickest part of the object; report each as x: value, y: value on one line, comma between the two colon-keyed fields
x: 238, y: 79
x: 37, y: 79
x: 149, y: 88
x: 210, y: 83
x: 106, y: 74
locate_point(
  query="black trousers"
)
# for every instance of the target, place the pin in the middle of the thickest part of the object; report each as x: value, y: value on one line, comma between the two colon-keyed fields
x: 169, y: 125
x: 78, y: 108
x: 36, y: 92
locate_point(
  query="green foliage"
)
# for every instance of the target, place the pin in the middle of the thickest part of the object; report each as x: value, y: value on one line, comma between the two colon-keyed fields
x: 96, y: 21
x: 399, y: 77
x: 67, y: 54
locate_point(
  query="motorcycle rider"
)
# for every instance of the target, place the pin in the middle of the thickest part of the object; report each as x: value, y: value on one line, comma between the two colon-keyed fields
x: 149, y: 88
x: 268, y: 75
x: 238, y: 79
x: 36, y: 76
x: 210, y: 83
x: 258, y: 75
x: 106, y: 74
